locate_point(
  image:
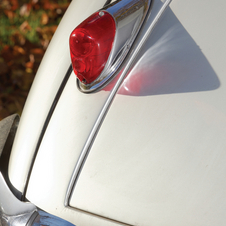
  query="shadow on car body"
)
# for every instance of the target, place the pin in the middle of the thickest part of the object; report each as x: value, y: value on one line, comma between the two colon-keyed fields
x: 169, y: 62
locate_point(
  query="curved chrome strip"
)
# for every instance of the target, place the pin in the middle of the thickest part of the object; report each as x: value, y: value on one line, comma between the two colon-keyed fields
x: 107, y: 105
x: 46, y: 123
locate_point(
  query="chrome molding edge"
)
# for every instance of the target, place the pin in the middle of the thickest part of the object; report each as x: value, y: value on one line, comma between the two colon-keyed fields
x: 12, y: 211
x: 129, y: 16
x: 45, y: 125
x: 132, y: 56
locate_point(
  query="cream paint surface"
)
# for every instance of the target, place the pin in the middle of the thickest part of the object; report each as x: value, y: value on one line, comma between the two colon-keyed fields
x: 159, y: 156
x: 46, y: 84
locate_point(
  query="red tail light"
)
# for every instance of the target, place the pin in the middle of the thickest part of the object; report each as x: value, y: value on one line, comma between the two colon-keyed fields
x: 90, y: 45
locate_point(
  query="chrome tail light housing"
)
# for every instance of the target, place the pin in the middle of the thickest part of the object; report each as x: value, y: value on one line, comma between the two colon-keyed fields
x: 100, y: 44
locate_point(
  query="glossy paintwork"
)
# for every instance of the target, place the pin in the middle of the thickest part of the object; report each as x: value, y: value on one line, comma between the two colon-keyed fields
x: 47, y: 81
x: 168, y: 166
x: 159, y: 156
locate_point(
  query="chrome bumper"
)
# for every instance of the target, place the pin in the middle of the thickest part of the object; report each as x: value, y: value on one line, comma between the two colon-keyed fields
x: 12, y: 211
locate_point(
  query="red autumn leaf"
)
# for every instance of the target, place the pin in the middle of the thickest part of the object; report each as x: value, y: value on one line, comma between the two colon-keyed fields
x: 29, y: 64
x: 14, y: 4
x: 37, y: 51
x: 10, y: 14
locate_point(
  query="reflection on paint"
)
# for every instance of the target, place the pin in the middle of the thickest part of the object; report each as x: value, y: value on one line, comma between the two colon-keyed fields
x: 169, y: 62
x: 173, y: 64
x: 152, y: 69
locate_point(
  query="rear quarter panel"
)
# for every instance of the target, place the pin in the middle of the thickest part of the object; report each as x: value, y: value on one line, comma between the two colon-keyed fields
x: 159, y: 156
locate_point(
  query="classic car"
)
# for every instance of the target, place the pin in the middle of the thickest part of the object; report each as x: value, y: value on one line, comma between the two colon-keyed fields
x: 125, y: 125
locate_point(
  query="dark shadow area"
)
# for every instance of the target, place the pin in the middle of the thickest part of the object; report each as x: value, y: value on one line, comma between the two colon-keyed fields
x: 8, y: 129
x: 169, y: 62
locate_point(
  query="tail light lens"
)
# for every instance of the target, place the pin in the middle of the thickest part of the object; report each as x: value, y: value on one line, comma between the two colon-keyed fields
x: 90, y: 45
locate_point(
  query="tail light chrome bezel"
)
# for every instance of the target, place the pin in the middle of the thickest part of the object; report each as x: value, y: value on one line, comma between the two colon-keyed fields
x: 129, y: 16
x: 88, y: 145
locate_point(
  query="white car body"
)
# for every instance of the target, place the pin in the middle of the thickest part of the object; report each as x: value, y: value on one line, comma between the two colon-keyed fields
x: 159, y: 156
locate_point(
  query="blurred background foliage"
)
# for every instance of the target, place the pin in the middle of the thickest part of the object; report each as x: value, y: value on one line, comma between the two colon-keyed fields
x: 26, y: 28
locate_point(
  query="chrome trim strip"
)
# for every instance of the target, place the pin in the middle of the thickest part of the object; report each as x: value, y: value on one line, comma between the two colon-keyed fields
x: 46, y: 123
x: 12, y: 211
x: 107, y: 2
x: 98, y: 123
x: 129, y: 16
